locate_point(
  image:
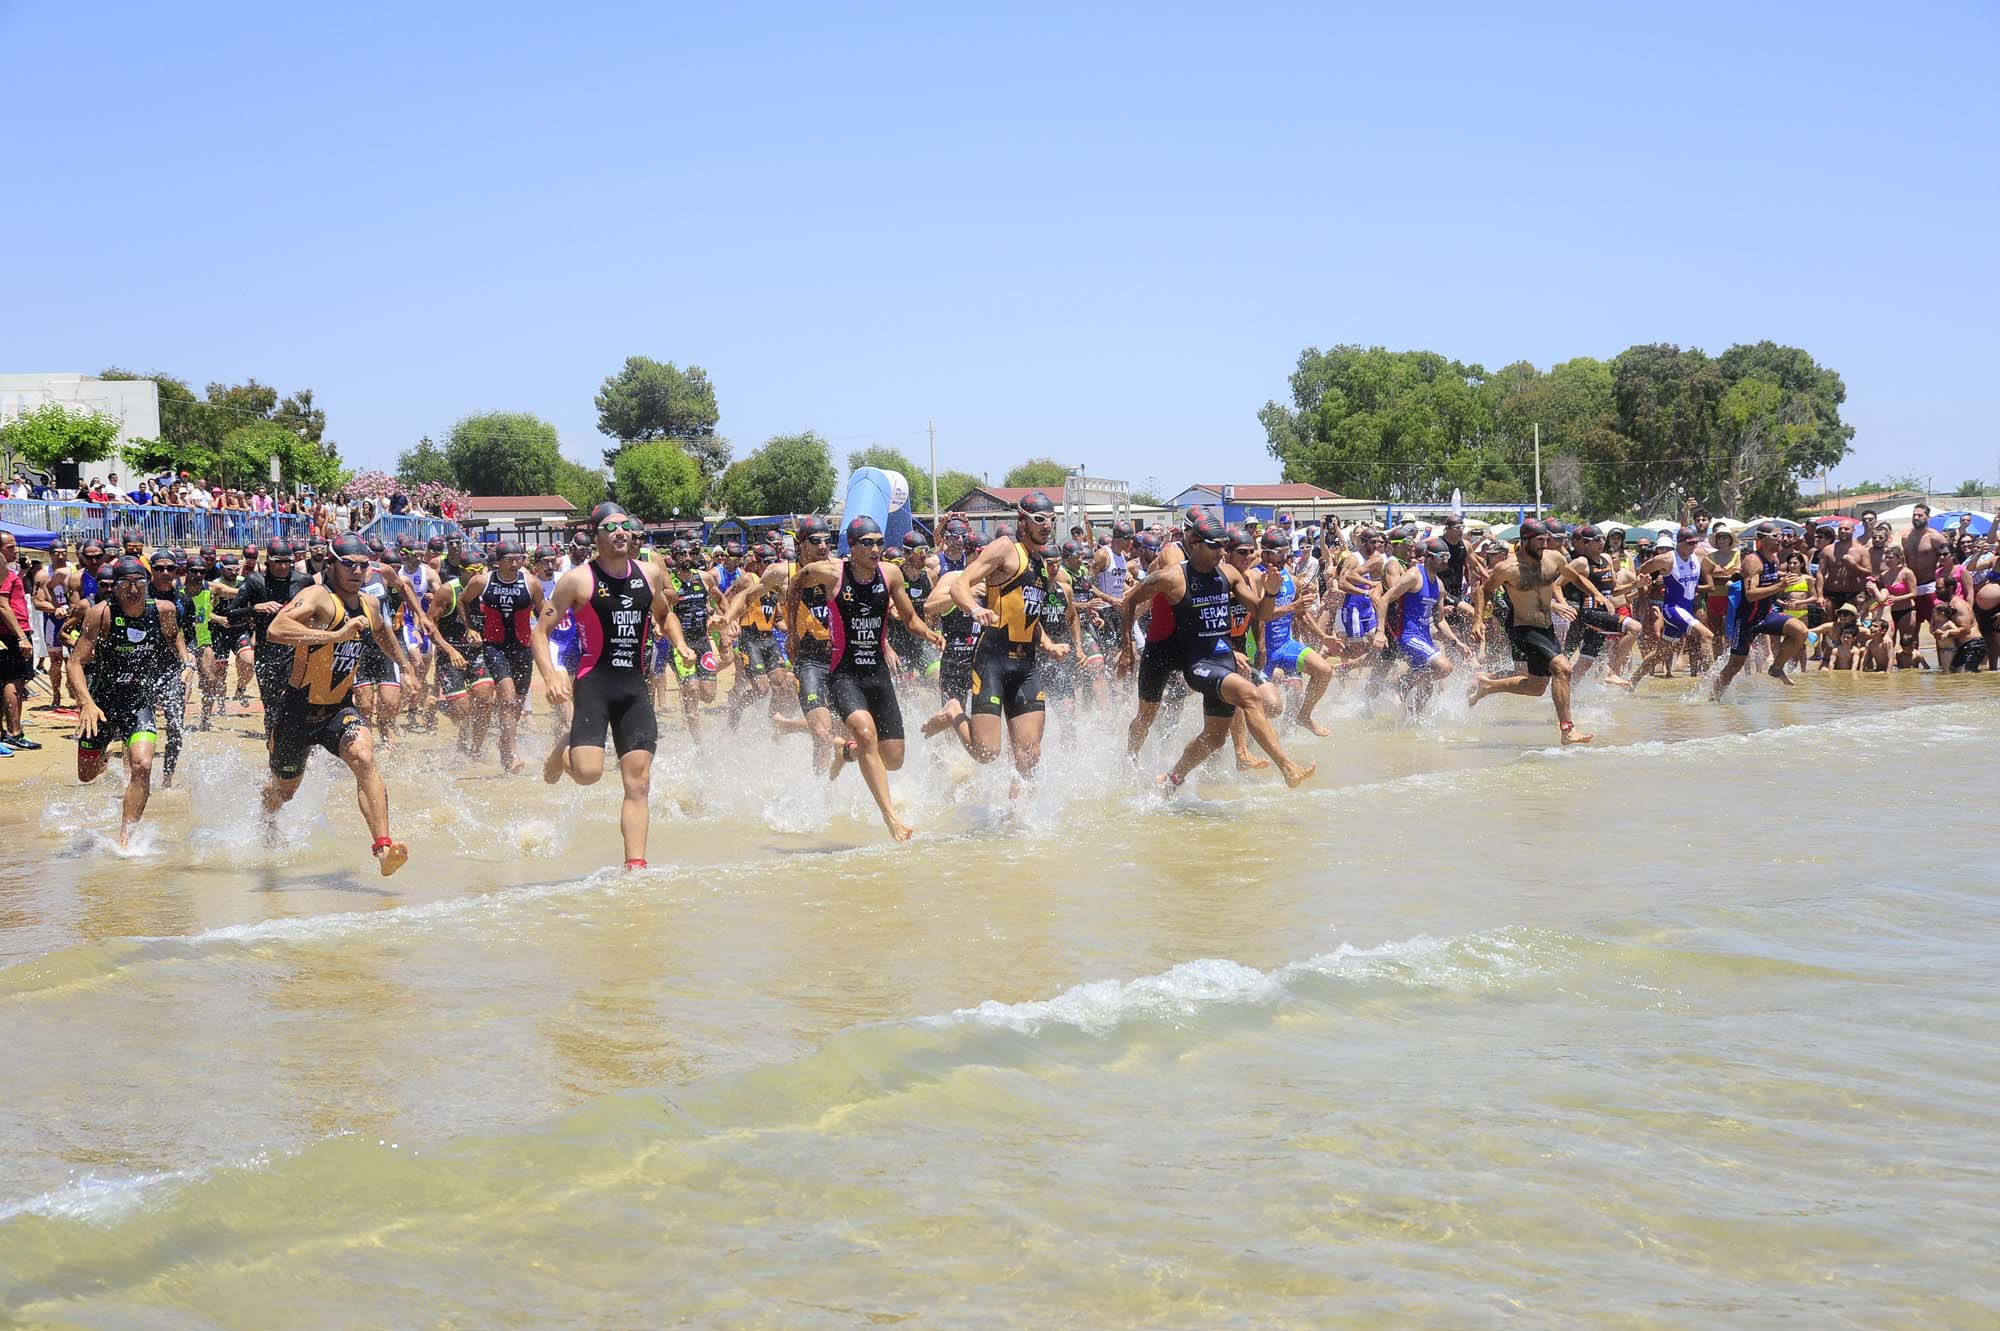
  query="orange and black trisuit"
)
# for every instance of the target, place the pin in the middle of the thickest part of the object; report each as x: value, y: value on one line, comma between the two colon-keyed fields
x: 809, y: 641
x: 1006, y: 674
x: 317, y: 707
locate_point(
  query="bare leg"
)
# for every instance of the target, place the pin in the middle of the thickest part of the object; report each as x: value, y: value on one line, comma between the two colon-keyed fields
x: 139, y: 766
x: 635, y: 770
x: 1559, y: 676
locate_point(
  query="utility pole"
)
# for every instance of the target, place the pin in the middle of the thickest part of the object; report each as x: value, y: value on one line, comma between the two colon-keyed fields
x: 1538, y: 469
x: 935, y: 518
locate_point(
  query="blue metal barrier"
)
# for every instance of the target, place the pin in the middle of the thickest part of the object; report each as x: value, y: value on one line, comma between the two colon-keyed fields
x: 158, y: 525
x: 410, y: 528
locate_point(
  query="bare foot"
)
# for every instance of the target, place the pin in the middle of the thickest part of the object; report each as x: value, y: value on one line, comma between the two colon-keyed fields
x: 555, y: 764
x: 1619, y: 680
x: 1482, y: 687
x: 1298, y: 775
x: 1315, y: 727
x: 1248, y: 762
x: 1777, y: 672
x: 842, y: 755
x: 941, y: 721
x: 514, y: 766
x: 392, y: 857
x: 1169, y: 780
x: 1571, y: 736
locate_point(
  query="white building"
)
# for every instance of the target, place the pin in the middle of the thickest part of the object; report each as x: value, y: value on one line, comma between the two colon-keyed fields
x: 133, y: 403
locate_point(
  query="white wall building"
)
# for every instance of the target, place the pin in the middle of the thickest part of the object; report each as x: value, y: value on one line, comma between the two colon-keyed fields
x: 133, y: 403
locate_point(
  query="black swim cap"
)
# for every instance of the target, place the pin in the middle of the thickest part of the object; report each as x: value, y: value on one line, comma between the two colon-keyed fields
x: 376, y: 548
x: 1121, y: 530
x: 127, y: 566
x: 1276, y: 542
x: 1435, y: 548
x: 349, y: 546
x: 436, y: 545
x: 506, y: 548
x: 861, y: 526
x: 1036, y: 502
x: 1588, y: 532
x: 957, y: 527
x: 604, y: 512
x: 1205, y: 527
x: 277, y: 549
x: 1534, y: 528
x: 974, y: 541
x: 914, y: 540
x: 1071, y: 548
x: 812, y: 524
x: 1236, y: 535
x: 168, y: 559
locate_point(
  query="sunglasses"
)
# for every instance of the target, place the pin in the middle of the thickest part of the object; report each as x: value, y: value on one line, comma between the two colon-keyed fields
x: 357, y: 565
x: 872, y: 542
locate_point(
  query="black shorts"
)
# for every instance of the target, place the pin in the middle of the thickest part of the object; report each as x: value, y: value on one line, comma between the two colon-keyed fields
x: 510, y: 660
x: 16, y: 666
x: 300, y: 726
x: 1206, y: 677
x: 955, y: 679
x: 870, y: 691
x: 454, y: 681
x: 127, y: 721
x: 757, y: 653
x: 1158, y: 662
x: 1591, y: 629
x: 228, y: 641
x: 1970, y: 656
x: 1534, y: 647
x: 812, y: 672
x: 1749, y: 626
x: 1004, y: 685
x: 614, y: 702
x: 376, y: 667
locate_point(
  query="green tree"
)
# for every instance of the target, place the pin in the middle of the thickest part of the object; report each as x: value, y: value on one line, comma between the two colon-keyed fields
x: 657, y: 480
x: 889, y: 458
x: 1969, y: 490
x: 504, y: 453
x: 791, y: 473
x: 424, y: 464
x: 247, y: 452
x: 953, y: 486
x: 52, y: 433
x: 194, y: 431
x: 1039, y: 473
x: 650, y: 399
x: 582, y: 485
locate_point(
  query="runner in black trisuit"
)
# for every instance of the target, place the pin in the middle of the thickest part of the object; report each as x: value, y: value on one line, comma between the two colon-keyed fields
x: 322, y: 628
x: 613, y: 598
x: 128, y: 642
x: 1006, y: 673
x: 861, y: 590
x: 1198, y: 593
x: 508, y: 602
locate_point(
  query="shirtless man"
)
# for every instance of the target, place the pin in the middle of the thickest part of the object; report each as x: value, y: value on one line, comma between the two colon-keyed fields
x: 1531, y: 577
x: 1922, y: 549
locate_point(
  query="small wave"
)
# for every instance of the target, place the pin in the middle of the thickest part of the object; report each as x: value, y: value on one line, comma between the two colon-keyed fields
x: 93, y: 1197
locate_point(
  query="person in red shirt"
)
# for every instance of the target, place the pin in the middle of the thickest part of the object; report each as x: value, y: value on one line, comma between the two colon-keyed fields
x: 17, y: 645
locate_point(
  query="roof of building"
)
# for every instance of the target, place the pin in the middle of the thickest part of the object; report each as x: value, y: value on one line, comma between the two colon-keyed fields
x: 516, y: 503
x: 1290, y: 492
x: 1009, y: 495
x: 1833, y: 503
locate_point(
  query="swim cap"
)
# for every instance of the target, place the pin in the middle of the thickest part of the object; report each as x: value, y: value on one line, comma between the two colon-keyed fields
x: 208, y: 554
x: 277, y: 549
x: 1588, y: 532
x: 1765, y: 529
x: 435, y: 545
x: 1238, y: 535
x: 1276, y: 542
x: 90, y: 546
x: 509, y: 548
x: 127, y: 566
x: 1533, y: 528
x: 914, y: 540
x: 862, y: 526
x: 350, y: 546
x: 1036, y: 502
x: 1435, y: 548
x: 1205, y: 527
x: 1070, y: 548
x: 957, y: 527
x: 376, y: 548
x: 1121, y: 530
x: 1687, y: 534
x: 974, y: 541
x: 297, y: 548
x: 168, y: 559
x: 1402, y: 534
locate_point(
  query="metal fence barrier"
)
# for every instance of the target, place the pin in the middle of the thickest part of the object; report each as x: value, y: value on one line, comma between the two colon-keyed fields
x: 409, y: 528
x: 77, y: 521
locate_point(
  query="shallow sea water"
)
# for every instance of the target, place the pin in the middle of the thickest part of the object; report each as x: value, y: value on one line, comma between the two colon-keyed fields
x: 1695, y: 1027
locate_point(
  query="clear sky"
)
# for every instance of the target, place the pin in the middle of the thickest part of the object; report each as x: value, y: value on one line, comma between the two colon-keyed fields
x: 1093, y: 232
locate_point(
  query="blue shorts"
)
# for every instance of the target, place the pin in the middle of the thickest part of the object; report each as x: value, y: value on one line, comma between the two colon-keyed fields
x: 1751, y: 625
x: 1285, y: 656
x: 1419, y: 651
x: 1357, y: 617
x: 1675, y: 621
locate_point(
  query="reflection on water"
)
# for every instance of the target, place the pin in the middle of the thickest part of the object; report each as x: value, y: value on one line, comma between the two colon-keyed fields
x: 1472, y: 1031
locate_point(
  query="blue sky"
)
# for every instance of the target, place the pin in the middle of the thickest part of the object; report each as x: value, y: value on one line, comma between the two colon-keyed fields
x: 1097, y: 233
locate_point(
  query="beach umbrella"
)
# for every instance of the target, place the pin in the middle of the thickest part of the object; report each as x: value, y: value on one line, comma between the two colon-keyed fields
x: 1728, y: 524
x: 1783, y: 524
x: 1981, y: 524
x: 1639, y: 533
x: 1900, y: 516
x: 1510, y: 532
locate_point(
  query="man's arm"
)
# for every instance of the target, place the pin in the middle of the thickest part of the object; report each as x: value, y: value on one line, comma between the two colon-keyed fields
x: 981, y: 569
x: 89, y: 716
x: 665, y: 598
x: 294, y: 625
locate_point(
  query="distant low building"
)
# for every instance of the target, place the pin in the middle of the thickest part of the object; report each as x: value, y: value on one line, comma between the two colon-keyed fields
x: 133, y: 403
x: 991, y: 508
x: 550, y: 515
x: 1306, y: 503
x: 1852, y: 506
